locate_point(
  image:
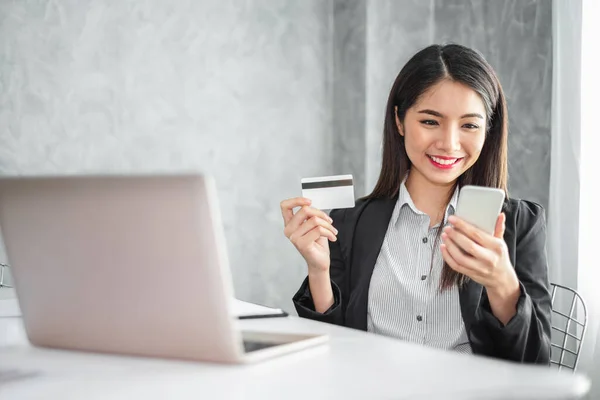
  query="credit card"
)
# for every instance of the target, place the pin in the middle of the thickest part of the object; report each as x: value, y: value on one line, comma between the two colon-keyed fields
x: 329, y: 192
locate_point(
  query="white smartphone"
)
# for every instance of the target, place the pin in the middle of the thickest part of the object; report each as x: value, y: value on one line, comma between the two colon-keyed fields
x: 480, y: 206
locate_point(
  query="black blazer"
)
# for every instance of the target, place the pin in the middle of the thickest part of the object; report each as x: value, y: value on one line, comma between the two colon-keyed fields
x: 361, y: 230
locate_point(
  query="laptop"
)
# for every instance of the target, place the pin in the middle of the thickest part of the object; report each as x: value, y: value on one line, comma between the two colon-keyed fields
x: 133, y: 265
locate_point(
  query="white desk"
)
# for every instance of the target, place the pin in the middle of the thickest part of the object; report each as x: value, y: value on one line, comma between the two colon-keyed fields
x: 355, y: 365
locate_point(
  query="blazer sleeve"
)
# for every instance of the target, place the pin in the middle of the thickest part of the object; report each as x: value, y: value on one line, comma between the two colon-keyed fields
x: 526, y: 337
x: 303, y: 301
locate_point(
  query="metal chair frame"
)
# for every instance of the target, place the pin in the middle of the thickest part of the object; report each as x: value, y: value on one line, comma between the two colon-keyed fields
x: 570, y: 318
x: 3, y: 267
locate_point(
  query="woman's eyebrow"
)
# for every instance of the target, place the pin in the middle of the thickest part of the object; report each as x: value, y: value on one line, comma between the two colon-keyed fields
x: 472, y: 115
x: 431, y: 112
x: 440, y: 115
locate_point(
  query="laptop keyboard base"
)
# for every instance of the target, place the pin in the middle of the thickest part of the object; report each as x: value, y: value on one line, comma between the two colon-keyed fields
x: 250, y: 345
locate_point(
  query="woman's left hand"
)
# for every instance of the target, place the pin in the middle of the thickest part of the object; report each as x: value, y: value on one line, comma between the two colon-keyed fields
x: 483, y: 258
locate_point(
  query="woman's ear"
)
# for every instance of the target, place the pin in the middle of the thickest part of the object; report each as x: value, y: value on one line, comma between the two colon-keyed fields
x: 398, y: 123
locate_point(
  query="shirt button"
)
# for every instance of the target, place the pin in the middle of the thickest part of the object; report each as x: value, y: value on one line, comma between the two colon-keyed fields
x: 423, y: 277
x: 424, y: 240
x: 419, y: 318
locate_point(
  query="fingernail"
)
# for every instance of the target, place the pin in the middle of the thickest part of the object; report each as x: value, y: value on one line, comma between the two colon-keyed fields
x: 330, y: 220
x: 335, y: 230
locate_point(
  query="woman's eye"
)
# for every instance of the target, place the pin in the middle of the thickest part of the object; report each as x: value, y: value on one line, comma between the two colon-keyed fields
x: 470, y: 126
x: 430, y: 122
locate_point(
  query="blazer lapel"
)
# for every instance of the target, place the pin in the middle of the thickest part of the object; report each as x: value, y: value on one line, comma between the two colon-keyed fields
x: 370, y: 231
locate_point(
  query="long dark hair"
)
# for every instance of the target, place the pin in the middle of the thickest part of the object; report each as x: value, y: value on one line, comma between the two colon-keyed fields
x: 425, y: 69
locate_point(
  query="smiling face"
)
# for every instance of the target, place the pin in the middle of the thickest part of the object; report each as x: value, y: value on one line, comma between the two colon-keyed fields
x: 444, y: 132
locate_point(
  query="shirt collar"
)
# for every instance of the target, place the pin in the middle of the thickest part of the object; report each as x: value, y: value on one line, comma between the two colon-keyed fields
x: 404, y: 199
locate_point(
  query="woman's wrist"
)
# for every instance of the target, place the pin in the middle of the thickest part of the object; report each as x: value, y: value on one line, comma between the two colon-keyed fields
x: 507, y: 289
x: 320, y: 290
x: 503, y: 300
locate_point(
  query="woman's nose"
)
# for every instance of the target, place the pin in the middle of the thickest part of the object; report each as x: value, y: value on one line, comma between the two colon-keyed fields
x: 450, y: 140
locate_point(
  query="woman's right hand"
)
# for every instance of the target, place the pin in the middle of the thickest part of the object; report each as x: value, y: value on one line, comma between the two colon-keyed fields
x: 309, y: 229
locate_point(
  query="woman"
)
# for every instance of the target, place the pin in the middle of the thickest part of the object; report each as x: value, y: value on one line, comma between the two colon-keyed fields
x: 399, y: 263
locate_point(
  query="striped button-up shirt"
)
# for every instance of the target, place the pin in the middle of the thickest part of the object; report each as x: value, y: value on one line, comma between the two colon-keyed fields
x: 404, y: 297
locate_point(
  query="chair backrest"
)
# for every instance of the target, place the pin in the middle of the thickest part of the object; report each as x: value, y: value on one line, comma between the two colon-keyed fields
x: 3, y: 273
x: 569, y: 320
